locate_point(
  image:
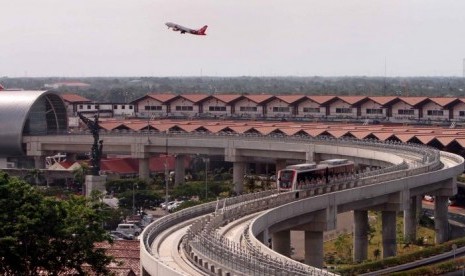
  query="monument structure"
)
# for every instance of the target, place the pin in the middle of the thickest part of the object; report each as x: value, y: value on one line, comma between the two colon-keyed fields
x: 94, y: 181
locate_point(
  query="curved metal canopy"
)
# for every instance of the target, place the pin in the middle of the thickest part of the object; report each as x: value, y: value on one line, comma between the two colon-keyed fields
x: 29, y: 113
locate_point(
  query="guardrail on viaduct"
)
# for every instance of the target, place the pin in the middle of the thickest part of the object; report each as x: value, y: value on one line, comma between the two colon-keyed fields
x: 209, y: 250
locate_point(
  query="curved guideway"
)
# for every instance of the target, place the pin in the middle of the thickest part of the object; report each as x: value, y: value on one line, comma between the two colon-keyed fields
x: 420, y: 162
x: 233, y: 231
x: 167, y: 247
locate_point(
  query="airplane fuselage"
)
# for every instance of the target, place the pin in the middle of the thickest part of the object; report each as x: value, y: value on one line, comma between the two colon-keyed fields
x: 183, y: 30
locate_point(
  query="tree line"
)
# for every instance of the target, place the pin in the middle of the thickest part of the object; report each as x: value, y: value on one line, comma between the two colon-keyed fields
x: 126, y: 89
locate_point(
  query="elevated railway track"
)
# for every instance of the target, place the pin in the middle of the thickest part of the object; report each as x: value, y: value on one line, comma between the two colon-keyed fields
x: 239, y: 251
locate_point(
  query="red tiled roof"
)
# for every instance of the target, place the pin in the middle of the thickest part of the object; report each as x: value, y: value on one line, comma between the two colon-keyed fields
x: 360, y: 134
x: 425, y: 139
x: 443, y: 101
x: 314, y: 132
x: 74, y: 98
x: 121, y: 166
x: 290, y: 98
x: 337, y: 133
x: 352, y: 99
x: 382, y: 132
x: 195, y: 98
x: 240, y: 129
x: 383, y: 136
x: 266, y: 130
x: 110, y: 125
x: 66, y: 164
x: 162, y: 97
x: 227, y: 98
x: 259, y: 98
x: 382, y: 100
x: 412, y: 100
x: 405, y: 137
x: 127, y: 256
x: 444, y: 140
x: 321, y: 99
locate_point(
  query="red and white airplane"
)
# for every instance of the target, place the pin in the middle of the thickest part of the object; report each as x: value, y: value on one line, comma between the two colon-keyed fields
x: 183, y: 30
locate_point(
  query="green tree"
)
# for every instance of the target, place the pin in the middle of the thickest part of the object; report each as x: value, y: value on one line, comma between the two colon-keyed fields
x: 34, y: 177
x: 44, y: 233
x: 79, y: 174
x: 343, y: 247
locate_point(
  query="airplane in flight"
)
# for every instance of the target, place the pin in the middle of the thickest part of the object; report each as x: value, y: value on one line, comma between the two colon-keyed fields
x: 183, y: 30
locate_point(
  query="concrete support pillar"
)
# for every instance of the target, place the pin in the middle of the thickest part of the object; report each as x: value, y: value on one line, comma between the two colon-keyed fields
x: 410, y: 221
x: 281, y: 242
x: 441, y: 223
x: 314, y: 248
x: 238, y: 176
x: 389, y: 233
x: 360, y: 235
x: 419, y: 200
x: 280, y: 164
x: 39, y: 162
x: 179, y: 170
x: 144, y: 170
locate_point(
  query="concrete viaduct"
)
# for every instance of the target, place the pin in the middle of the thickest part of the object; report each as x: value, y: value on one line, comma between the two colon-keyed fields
x: 407, y: 172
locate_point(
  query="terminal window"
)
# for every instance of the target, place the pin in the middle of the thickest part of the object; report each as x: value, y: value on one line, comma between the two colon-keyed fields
x: 280, y: 109
x: 311, y: 110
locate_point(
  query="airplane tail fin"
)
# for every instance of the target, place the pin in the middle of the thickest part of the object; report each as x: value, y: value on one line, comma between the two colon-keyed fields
x: 202, y: 30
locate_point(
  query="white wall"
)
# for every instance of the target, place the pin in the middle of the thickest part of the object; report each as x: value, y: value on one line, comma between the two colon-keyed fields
x: 215, y: 102
x: 372, y: 105
x: 247, y: 103
x: 123, y: 110
x: 342, y: 104
x: 148, y: 113
x: 456, y: 111
x: 434, y: 106
x: 278, y: 103
x: 183, y: 102
x: 403, y: 105
x: 310, y: 104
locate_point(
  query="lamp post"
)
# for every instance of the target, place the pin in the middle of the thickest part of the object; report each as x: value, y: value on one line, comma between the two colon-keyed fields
x: 133, y: 200
x: 148, y: 122
x: 206, y: 160
x: 166, y: 171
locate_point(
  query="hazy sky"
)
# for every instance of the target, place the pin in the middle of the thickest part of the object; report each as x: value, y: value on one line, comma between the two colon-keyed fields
x: 77, y: 38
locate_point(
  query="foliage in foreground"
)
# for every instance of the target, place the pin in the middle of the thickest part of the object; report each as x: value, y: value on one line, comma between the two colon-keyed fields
x: 403, y: 259
x: 44, y: 233
x: 436, y: 269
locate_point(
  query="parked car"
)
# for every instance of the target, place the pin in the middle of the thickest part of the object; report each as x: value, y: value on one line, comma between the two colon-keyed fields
x: 175, y: 205
x: 164, y: 206
x: 129, y: 229
x: 116, y: 235
x: 428, y: 198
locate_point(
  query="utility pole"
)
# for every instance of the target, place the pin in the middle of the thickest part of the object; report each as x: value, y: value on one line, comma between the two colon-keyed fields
x: 133, y: 200
x: 166, y: 171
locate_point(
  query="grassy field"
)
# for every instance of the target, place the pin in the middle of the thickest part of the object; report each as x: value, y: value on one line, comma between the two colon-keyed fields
x: 339, y: 250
